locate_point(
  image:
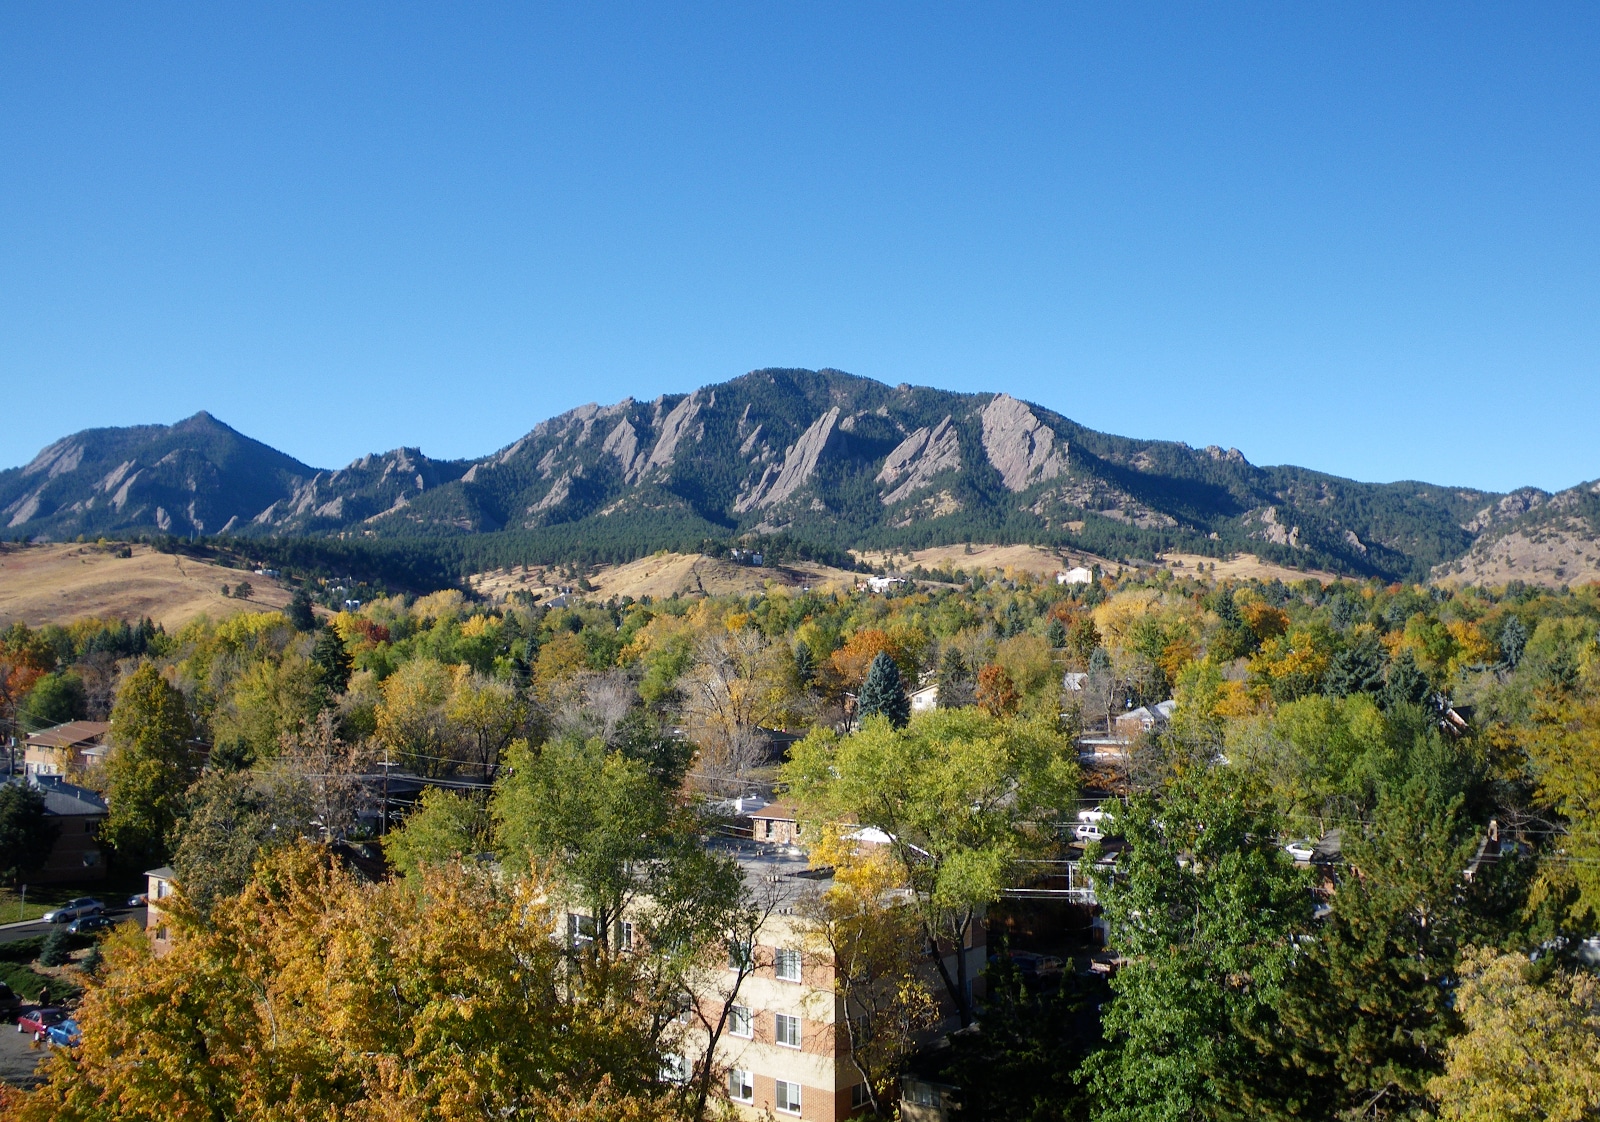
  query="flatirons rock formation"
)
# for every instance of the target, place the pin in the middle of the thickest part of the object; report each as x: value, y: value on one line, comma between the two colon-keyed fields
x: 822, y: 455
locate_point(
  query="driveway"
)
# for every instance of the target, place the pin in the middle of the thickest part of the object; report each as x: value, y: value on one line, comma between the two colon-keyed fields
x: 19, y: 1056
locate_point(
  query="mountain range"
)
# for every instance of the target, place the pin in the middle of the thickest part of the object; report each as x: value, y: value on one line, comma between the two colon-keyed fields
x: 821, y: 457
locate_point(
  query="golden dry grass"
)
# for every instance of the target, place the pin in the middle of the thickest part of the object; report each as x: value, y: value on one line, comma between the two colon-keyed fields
x: 661, y: 575
x: 1241, y: 566
x: 42, y: 584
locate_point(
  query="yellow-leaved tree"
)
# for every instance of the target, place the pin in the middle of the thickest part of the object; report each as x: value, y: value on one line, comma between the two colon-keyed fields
x: 315, y: 995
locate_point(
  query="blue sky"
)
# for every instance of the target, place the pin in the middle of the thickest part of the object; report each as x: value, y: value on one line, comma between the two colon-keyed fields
x: 1358, y: 238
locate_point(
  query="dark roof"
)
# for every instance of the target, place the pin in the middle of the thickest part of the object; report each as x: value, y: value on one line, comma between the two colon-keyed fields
x: 779, y: 812
x: 69, y: 735
x: 61, y: 797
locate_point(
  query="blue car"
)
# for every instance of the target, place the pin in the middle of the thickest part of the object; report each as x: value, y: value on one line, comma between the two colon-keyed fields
x: 65, y: 1034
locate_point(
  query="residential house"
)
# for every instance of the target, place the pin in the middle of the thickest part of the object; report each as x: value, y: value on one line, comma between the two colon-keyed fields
x: 1078, y: 575
x: 1129, y: 726
x: 67, y: 749
x: 776, y: 824
x: 925, y: 699
x: 77, y: 813
x: 1074, y: 681
x: 161, y: 883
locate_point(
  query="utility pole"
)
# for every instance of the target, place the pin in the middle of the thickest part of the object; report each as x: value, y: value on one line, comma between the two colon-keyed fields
x: 383, y: 828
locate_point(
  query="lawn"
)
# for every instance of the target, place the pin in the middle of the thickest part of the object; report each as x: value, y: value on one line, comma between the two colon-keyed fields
x: 114, y: 890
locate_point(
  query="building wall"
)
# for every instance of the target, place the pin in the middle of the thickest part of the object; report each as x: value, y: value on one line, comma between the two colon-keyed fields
x: 821, y: 1065
x: 76, y: 854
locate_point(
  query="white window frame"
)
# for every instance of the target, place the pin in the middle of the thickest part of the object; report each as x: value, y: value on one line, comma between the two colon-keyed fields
x: 740, y: 1015
x: 741, y: 1085
x: 786, y: 965
x: 626, y: 936
x: 859, y: 1096
x: 675, y: 1068
x: 576, y: 936
x: 781, y: 1090
x: 778, y: 1020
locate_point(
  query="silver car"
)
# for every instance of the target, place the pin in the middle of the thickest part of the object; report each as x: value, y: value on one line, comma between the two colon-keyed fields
x: 75, y: 909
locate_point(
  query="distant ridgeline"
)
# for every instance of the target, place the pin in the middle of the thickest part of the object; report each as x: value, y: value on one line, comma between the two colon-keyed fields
x: 815, y: 461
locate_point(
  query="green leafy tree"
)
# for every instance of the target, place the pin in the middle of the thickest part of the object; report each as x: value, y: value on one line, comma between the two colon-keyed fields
x: 598, y: 818
x: 230, y: 819
x: 56, y: 698
x: 149, y: 767
x: 960, y: 795
x: 446, y: 827
x: 1206, y: 909
x: 884, y: 693
x: 26, y: 833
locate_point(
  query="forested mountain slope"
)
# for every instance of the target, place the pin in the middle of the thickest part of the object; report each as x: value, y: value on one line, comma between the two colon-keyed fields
x: 822, y: 456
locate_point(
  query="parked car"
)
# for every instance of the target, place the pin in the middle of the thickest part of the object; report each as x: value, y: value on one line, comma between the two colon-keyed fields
x: 1031, y: 965
x: 86, y: 925
x: 1089, y: 823
x: 65, y: 1034
x: 138, y: 899
x: 38, y: 1020
x: 72, y: 909
x: 1301, y: 850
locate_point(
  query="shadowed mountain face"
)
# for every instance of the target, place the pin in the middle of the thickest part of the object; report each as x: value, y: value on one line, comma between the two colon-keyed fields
x: 821, y: 455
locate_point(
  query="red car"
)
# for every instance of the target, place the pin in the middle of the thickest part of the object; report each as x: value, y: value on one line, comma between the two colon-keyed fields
x: 38, y: 1020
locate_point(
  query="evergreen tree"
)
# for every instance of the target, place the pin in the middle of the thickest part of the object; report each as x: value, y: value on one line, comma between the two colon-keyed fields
x: 1406, y: 684
x: 1055, y: 633
x: 57, y: 947
x: 805, y: 666
x: 332, y: 661
x: 1369, y: 1010
x: 955, y: 681
x: 1513, y: 641
x: 1356, y: 669
x: 884, y: 693
x: 1018, y: 1063
x: 300, y: 613
x: 1209, y: 912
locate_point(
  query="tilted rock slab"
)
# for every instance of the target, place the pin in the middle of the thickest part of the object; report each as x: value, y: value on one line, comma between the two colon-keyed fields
x: 1022, y: 448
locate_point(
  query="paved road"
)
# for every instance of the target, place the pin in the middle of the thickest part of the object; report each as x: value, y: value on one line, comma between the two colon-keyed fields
x: 40, y: 927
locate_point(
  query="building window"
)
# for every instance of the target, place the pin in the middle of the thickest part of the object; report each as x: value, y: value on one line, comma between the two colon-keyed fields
x: 859, y: 1097
x: 625, y: 942
x: 580, y: 930
x: 741, y: 1086
x: 740, y: 955
x: 739, y: 1021
x: 674, y: 1069
x: 788, y: 1031
x: 786, y: 1097
x: 918, y: 1093
x: 787, y: 965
